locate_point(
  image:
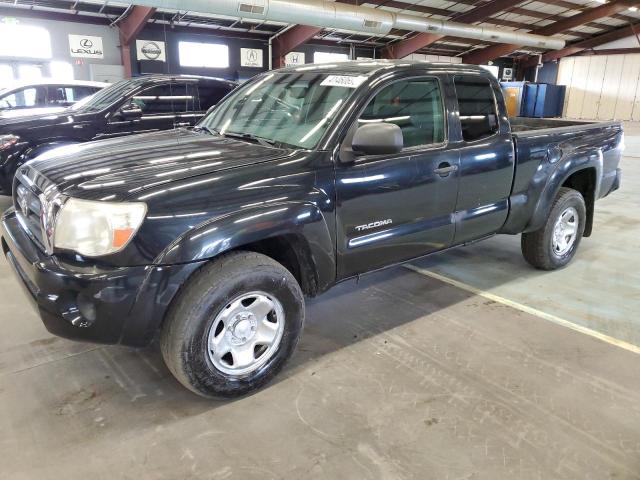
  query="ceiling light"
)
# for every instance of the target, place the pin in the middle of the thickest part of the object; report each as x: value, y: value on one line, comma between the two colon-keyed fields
x: 633, y: 9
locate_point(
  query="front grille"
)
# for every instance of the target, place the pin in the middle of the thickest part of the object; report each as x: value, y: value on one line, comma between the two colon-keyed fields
x: 26, y: 199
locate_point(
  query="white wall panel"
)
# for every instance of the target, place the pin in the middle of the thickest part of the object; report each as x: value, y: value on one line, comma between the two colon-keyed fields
x: 593, y: 90
x: 610, y: 87
x: 601, y: 87
x: 565, y: 75
x: 628, y: 87
x: 578, y: 87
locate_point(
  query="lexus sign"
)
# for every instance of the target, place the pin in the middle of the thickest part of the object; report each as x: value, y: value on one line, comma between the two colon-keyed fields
x: 84, y: 46
x: 151, y: 50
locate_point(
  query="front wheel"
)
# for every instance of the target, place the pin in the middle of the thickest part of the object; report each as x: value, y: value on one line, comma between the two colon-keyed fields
x: 555, y: 244
x: 234, y: 325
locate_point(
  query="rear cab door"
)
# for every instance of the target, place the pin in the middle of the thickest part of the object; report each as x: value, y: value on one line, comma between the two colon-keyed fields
x: 395, y: 207
x: 487, y: 158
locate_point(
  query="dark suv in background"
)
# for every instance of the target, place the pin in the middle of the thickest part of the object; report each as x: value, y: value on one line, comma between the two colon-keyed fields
x: 143, y: 104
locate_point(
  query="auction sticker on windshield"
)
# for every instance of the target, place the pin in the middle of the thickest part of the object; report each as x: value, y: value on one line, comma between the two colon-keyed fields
x: 347, y: 81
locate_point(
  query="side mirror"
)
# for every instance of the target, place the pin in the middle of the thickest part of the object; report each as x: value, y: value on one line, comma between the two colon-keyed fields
x: 378, y: 139
x: 131, y: 112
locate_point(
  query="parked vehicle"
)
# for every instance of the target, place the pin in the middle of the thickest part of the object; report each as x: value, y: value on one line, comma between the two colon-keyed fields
x: 300, y: 179
x: 45, y: 96
x: 144, y: 104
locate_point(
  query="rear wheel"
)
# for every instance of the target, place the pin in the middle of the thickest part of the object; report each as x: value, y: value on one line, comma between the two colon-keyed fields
x: 555, y: 244
x: 234, y: 325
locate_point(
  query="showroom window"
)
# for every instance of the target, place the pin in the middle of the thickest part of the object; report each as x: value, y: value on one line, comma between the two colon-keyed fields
x: 415, y: 106
x: 30, y: 73
x: 328, y: 57
x: 61, y: 70
x: 6, y: 73
x: 24, y: 41
x: 205, y: 55
x: 478, y: 115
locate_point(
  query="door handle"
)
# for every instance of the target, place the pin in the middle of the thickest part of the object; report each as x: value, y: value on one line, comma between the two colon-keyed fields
x: 445, y: 168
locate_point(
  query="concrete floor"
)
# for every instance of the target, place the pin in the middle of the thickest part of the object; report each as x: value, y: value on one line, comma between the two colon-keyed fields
x: 401, y: 376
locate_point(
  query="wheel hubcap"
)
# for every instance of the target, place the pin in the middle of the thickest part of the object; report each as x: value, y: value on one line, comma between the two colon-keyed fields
x: 565, y: 231
x: 246, y: 333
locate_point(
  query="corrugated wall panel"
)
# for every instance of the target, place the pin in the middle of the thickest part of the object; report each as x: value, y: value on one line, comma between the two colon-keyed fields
x: 578, y: 87
x: 610, y: 87
x: 593, y: 91
x: 628, y: 87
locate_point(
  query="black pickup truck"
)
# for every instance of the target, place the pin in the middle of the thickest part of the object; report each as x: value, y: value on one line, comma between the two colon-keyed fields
x: 143, y: 104
x: 211, y: 237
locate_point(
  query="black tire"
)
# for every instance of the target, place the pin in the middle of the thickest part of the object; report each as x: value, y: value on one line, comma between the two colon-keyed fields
x: 537, y: 247
x: 185, y: 332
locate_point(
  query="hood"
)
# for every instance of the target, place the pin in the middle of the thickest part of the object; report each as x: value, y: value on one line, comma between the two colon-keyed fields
x: 30, y: 112
x: 123, y: 167
x: 22, y: 123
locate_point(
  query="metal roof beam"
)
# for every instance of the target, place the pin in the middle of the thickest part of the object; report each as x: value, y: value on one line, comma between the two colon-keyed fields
x: 606, y: 10
x: 421, y: 40
x: 578, y: 47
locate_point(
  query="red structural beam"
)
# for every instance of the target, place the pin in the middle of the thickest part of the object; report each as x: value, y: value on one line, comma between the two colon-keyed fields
x: 415, y: 43
x: 291, y: 39
x: 130, y: 27
x: 500, y: 50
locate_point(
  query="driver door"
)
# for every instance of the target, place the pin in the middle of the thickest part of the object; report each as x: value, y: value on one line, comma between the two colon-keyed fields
x: 158, y: 111
x: 396, y: 207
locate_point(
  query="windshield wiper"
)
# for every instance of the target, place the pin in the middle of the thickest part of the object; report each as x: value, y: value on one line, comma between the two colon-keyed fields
x: 209, y: 130
x: 250, y: 137
x: 243, y: 136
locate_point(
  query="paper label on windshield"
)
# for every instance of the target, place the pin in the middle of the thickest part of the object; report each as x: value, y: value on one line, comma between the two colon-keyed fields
x: 347, y: 81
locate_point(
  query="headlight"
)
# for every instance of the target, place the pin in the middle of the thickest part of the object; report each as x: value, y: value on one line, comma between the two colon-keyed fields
x: 94, y: 229
x: 7, y: 141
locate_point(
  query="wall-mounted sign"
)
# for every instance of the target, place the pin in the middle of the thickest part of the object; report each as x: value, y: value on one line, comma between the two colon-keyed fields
x: 251, y: 57
x: 151, y: 50
x: 507, y: 74
x: 294, y: 58
x: 84, y: 46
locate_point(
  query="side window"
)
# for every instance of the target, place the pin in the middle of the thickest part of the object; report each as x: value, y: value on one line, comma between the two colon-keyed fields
x: 415, y: 106
x: 173, y: 98
x: 478, y: 115
x: 210, y: 95
x: 23, y: 98
x: 57, y: 95
x: 75, y: 94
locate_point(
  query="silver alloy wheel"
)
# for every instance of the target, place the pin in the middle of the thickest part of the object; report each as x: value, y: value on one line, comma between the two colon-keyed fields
x: 246, y: 333
x: 565, y: 231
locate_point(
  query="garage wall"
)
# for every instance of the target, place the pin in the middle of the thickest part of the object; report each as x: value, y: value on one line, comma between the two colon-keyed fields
x: 601, y: 87
x: 172, y: 37
x: 59, y: 32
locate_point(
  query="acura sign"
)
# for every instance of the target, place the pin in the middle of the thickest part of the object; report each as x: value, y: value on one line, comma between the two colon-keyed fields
x: 251, y: 57
x: 151, y: 50
x: 84, y: 46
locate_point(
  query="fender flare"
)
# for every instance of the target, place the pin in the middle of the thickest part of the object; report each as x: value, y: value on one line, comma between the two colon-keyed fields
x: 33, y: 151
x: 568, y: 165
x: 234, y: 230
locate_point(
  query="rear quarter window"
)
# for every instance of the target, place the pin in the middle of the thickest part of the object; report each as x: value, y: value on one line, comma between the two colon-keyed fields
x: 477, y: 103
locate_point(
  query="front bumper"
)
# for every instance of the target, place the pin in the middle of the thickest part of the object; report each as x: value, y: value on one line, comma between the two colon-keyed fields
x: 88, y: 302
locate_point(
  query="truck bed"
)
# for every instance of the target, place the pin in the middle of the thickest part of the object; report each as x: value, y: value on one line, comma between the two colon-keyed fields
x: 524, y: 124
x: 550, y: 148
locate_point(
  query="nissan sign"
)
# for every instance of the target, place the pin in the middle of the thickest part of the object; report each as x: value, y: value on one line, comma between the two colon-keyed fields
x: 151, y: 50
x: 84, y: 46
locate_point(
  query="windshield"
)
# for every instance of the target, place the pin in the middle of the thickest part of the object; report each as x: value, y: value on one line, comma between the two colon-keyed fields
x: 293, y: 109
x: 105, y: 97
